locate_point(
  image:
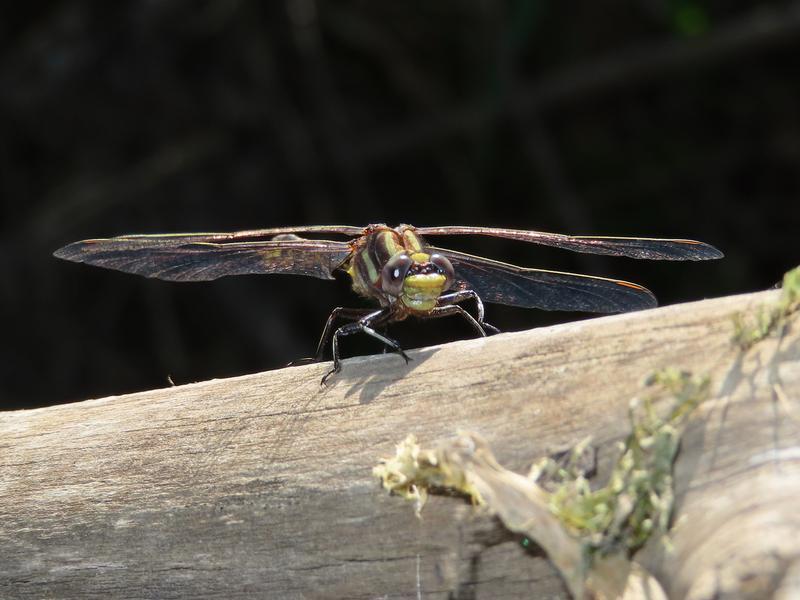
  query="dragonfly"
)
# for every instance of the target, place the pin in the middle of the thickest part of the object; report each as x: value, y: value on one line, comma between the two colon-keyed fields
x: 396, y: 268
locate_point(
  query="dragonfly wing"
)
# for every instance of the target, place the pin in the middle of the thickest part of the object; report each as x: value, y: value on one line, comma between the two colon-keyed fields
x: 502, y: 283
x: 646, y: 248
x: 193, y: 258
x: 251, y: 235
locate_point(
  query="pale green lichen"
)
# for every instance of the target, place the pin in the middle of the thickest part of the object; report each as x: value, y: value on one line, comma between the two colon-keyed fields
x: 637, y: 499
x: 635, y: 502
x: 755, y: 326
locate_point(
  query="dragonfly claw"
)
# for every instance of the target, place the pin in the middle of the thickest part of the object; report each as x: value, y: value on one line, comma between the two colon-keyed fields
x: 491, y: 329
x: 324, y: 381
x: 303, y: 361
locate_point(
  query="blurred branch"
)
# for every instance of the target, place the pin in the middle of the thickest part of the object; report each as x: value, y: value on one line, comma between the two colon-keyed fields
x: 540, y: 150
x: 79, y: 199
x: 763, y: 28
x: 324, y: 97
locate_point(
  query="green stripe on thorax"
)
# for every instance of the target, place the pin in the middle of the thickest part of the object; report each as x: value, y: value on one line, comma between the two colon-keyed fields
x: 370, y: 257
x: 412, y: 241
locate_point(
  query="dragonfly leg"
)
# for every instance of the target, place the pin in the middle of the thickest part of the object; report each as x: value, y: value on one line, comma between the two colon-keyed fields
x: 364, y: 325
x: 340, y: 312
x: 461, y: 295
x: 455, y: 309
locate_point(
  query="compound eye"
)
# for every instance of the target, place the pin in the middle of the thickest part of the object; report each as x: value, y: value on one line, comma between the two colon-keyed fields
x: 446, y: 268
x: 394, y: 272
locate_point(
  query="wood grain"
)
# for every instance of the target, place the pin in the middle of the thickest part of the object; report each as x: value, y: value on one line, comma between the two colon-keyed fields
x: 261, y: 486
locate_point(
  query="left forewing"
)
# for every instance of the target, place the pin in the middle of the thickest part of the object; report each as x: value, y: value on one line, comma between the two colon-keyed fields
x: 192, y: 260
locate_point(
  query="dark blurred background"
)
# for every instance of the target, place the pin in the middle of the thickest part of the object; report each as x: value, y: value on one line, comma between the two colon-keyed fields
x: 650, y: 117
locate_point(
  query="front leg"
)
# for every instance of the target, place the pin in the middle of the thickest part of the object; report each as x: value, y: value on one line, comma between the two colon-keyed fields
x: 364, y: 325
x: 340, y: 312
x: 461, y: 295
x: 455, y: 309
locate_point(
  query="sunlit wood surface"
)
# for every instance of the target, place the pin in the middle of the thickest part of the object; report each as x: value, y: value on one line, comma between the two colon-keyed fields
x: 260, y: 486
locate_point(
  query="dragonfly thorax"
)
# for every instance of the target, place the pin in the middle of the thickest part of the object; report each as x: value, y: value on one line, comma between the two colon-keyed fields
x: 395, y: 267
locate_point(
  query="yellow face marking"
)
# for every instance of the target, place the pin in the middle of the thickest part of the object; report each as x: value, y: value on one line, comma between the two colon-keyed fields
x: 428, y: 281
x: 421, y: 292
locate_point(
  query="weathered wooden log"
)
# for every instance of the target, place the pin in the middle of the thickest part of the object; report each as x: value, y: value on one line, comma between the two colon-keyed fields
x: 261, y: 486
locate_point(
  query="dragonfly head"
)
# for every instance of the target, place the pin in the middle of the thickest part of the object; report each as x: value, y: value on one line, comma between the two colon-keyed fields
x: 417, y: 280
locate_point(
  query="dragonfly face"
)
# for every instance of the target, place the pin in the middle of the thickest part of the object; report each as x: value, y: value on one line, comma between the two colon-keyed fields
x: 428, y: 276
x: 394, y: 267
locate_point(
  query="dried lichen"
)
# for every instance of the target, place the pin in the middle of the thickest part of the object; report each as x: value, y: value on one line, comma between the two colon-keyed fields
x: 413, y: 471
